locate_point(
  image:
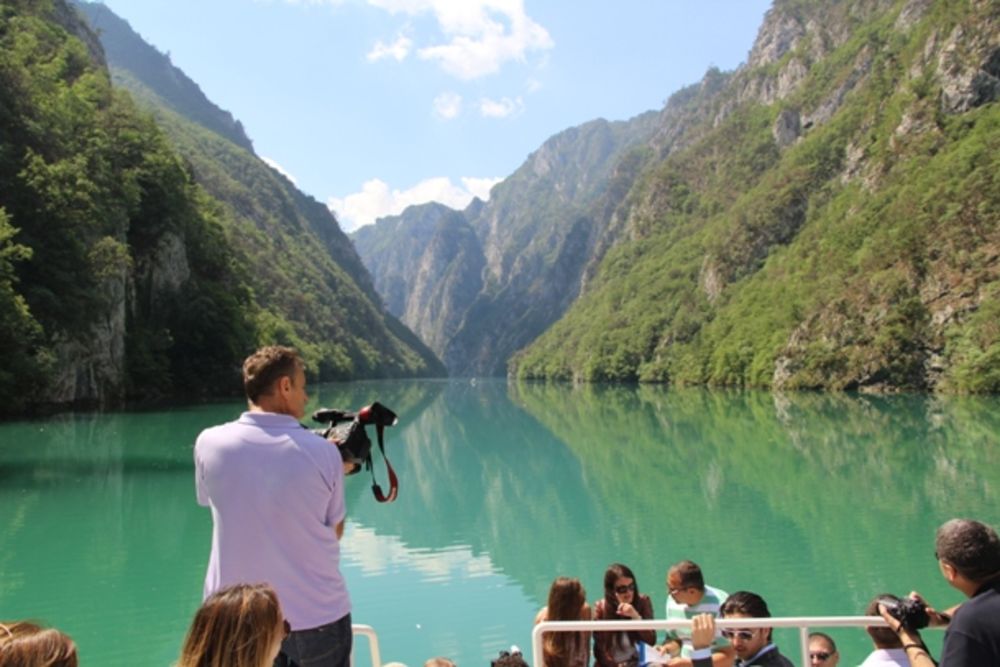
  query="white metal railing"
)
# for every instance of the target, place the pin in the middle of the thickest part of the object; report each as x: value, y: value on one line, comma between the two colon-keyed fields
x: 803, y: 623
x: 369, y: 632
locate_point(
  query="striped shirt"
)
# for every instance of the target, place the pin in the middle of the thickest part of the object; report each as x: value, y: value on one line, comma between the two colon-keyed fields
x: 710, y: 603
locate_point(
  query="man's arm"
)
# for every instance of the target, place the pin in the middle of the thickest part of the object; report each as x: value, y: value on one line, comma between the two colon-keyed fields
x: 339, y: 529
x: 721, y: 657
x: 916, y: 651
x: 702, y: 636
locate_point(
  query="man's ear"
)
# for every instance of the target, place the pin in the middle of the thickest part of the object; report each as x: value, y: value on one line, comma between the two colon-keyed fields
x: 948, y: 571
x: 284, y: 384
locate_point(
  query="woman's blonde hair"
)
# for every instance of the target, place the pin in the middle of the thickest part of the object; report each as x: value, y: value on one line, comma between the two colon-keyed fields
x: 27, y: 644
x: 235, y: 627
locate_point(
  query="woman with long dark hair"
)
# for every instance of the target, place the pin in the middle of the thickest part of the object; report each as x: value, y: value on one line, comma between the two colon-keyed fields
x: 622, y: 601
x: 567, y: 602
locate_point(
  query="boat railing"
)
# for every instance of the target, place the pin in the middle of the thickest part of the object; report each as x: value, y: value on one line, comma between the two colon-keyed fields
x: 368, y: 632
x: 805, y: 624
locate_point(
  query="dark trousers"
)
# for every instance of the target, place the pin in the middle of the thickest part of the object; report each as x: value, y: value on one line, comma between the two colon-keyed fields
x: 326, y: 646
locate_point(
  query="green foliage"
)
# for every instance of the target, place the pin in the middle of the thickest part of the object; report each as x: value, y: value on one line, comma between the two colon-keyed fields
x: 104, y: 229
x: 809, y: 266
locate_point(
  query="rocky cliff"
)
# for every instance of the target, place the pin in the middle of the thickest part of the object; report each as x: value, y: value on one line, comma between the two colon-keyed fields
x: 479, y: 284
x: 824, y: 216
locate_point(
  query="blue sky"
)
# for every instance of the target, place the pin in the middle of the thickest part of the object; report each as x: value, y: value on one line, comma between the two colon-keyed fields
x: 372, y: 105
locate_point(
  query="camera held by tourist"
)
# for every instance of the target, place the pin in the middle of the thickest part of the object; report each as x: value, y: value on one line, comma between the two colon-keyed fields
x: 968, y: 555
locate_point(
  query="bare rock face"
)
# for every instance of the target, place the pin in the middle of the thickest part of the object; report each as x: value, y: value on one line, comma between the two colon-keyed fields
x: 969, y: 68
x: 779, y: 35
x: 787, y: 127
x: 90, y: 366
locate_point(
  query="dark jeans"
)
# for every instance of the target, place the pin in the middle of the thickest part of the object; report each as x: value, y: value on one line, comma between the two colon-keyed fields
x: 326, y: 646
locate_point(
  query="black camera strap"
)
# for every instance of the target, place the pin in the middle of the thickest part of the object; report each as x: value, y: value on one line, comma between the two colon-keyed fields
x: 393, y: 481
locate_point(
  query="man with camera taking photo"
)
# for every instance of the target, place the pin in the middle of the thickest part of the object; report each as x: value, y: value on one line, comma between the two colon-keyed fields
x: 968, y: 554
x: 276, y: 491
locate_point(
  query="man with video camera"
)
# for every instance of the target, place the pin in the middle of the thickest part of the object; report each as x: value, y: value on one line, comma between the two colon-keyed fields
x: 968, y: 553
x: 276, y: 491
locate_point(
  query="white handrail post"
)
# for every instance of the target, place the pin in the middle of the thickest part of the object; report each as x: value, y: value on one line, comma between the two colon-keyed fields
x: 804, y: 644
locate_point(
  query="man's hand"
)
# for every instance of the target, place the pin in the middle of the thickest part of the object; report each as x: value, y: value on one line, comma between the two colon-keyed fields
x: 669, y: 647
x: 702, y: 631
x: 937, y: 618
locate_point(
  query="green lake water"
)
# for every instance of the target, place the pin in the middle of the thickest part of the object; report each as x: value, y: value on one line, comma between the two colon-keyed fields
x: 815, y: 501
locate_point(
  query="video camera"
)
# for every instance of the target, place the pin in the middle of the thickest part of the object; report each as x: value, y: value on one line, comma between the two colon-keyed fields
x: 347, y: 430
x: 911, y: 614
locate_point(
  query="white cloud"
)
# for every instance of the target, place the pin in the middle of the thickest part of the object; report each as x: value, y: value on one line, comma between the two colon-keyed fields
x: 480, y: 187
x: 480, y: 36
x: 376, y: 199
x: 278, y: 168
x: 448, y: 105
x: 397, y: 50
x: 500, y: 108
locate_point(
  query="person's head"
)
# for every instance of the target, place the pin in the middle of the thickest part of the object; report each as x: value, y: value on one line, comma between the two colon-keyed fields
x: 685, y: 583
x: 439, y: 661
x: 566, y: 599
x: 274, y: 380
x: 237, y: 626
x: 511, y: 658
x: 620, y: 587
x: 882, y: 636
x: 746, y: 641
x: 968, y: 553
x: 823, y: 650
x: 27, y: 644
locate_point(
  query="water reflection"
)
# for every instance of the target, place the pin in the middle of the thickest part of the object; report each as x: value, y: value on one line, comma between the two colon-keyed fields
x: 817, y: 501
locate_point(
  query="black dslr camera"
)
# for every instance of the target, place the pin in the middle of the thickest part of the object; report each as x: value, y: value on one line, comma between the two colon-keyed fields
x: 911, y: 614
x: 347, y: 430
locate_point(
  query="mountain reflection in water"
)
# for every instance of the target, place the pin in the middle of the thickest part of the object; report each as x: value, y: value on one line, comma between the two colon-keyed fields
x: 816, y: 501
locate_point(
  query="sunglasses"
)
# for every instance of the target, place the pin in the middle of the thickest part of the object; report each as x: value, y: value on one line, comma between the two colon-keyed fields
x: 822, y: 656
x: 622, y: 590
x: 745, y: 635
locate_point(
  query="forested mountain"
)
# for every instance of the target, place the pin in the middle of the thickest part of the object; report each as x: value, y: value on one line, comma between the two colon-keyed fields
x: 143, y: 262
x: 825, y: 216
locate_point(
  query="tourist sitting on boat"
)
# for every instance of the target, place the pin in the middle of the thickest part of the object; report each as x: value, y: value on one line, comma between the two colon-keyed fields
x: 753, y: 646
x: 622, y: 601
x: 889, y: 651
x: 511, y: 658
x: 567, y: 602
x: 688, y: 596
x: 28, y: 644
x: 968, y: 554
x: 237, y: 626
x: 439, y: 661
x: 822, y: 650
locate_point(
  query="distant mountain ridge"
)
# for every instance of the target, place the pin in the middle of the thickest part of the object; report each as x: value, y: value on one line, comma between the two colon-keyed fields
x: 144, y: 254
x: 127, y: 50
x: 826, y: 216
x: 316, y: 291
x: 479, y: 284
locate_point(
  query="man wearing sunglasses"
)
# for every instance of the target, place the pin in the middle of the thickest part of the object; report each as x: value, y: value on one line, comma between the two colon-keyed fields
x: 687, y: 597
x: 753, y: 646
